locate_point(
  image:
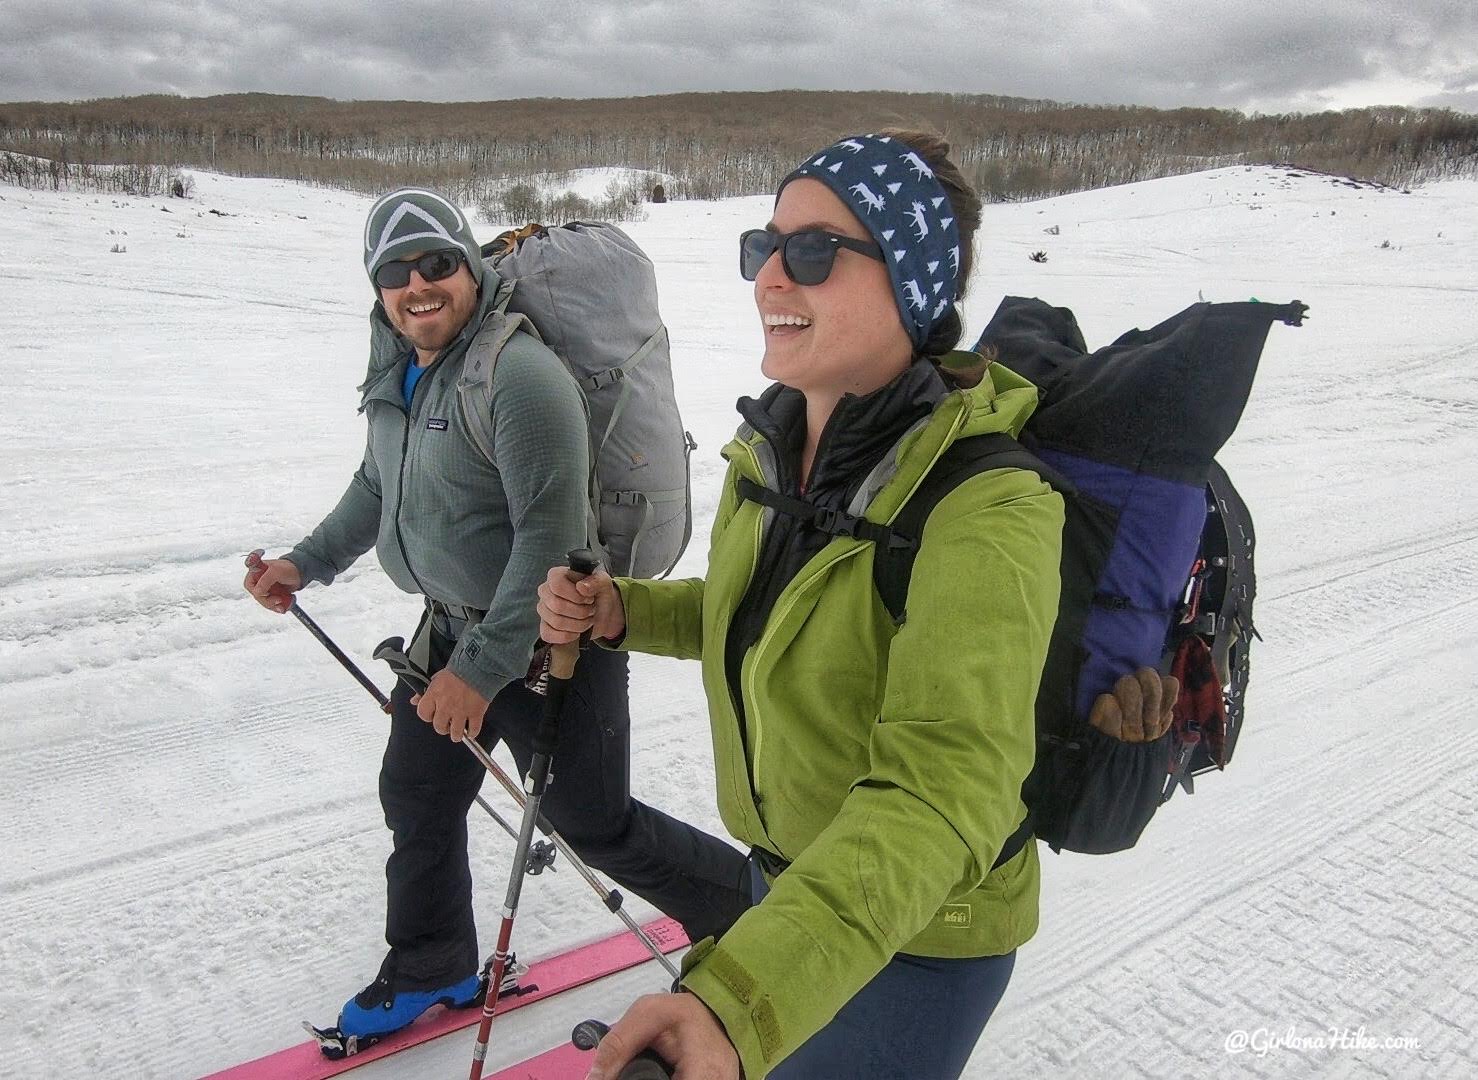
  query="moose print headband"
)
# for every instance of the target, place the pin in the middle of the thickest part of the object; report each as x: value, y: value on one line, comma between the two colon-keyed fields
x: 894, y: 193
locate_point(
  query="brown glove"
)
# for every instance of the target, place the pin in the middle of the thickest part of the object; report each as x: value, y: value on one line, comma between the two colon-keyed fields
x: 1140, y: 708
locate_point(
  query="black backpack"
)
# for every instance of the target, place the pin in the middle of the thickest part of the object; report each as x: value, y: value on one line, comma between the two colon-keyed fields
x: 1088, y: 792
x: 1157, y: 564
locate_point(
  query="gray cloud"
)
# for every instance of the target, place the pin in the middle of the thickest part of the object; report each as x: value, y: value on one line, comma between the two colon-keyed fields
x: 1258, y: 54
x: 1460, y: 92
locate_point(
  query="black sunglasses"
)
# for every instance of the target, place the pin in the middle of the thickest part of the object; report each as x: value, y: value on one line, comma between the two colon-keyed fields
x: 432, y: 266
x: 807, y: 256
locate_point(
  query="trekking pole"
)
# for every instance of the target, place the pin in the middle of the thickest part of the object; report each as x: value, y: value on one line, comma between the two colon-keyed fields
x: 540, y: 858
x: 497, y: 817
x: 647, y: 1065
x: 254, y: 562
x: 561, y: 670
x: 392, y: 652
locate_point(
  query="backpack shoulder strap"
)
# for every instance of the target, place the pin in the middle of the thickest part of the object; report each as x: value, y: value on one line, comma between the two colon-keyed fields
x: 893, y: 566
x: 475, y: 385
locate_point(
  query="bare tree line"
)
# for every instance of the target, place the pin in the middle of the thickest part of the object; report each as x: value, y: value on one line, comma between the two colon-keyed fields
x: 522, y: 201
x: 720, y: 145
x: 27, y: 171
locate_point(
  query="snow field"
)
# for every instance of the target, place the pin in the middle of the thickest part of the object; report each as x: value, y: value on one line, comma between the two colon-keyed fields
x: 192, y: 839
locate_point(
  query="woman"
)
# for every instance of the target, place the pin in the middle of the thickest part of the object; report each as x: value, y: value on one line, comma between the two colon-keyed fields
x: 874, y: 768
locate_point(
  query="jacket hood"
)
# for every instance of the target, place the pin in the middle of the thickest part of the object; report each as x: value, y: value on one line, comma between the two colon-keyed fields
x: 860, y: 430
x: 1001, y: 401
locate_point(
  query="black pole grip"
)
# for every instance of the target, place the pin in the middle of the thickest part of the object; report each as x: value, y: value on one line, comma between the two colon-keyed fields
x: 584, y: 562
x: 646, y: 1066
x: 392, y: 651
x: 588, y: 1034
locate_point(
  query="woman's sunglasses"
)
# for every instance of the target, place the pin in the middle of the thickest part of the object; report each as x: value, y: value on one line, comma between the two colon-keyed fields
x: 432, y: 266
x: 807, y: 256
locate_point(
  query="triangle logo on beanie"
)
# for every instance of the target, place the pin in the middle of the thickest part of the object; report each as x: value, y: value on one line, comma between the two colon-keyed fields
x: 413, y: 219
x: 398, y: 230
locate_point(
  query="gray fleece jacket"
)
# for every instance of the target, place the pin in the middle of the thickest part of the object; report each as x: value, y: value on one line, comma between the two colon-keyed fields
x: 444, y: 521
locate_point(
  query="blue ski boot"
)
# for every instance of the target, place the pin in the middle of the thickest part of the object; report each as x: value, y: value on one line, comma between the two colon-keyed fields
x: 379, y: 1009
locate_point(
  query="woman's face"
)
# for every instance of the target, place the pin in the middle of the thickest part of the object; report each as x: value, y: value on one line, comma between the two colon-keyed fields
x: 842, y: 336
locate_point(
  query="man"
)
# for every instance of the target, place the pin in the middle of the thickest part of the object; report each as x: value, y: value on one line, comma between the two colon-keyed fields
x: 476, y: 538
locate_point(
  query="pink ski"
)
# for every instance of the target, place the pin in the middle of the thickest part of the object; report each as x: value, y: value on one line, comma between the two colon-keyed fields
x: 546, y: 978
x: 564, y: 1062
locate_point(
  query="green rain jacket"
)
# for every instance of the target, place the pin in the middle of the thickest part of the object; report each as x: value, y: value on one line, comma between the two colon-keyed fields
x: 883, y: 762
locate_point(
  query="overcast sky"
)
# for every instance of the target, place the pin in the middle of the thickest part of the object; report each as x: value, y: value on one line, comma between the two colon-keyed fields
x: 1265, y: 55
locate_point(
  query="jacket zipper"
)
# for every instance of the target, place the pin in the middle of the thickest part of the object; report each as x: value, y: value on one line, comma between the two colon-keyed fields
x: 741, y: 714
x: 405, y: 441
x: 408, y: 412
x: 777, y: 616
x: 795, y: 588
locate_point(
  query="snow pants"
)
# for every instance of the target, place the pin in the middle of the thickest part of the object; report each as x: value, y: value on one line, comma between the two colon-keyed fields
x: 918, y: 1017
x: 428, y: 784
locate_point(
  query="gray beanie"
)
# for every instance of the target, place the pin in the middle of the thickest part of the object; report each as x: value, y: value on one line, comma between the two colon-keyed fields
x: 414, y: 219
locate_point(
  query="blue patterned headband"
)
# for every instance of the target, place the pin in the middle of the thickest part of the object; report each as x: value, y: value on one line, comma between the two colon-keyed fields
x: 894, y: 193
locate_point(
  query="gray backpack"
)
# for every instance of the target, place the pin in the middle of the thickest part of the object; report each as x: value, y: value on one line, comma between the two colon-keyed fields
x: 589, y: 293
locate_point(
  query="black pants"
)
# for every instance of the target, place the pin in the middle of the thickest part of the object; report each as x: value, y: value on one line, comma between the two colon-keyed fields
x: 428, y: 783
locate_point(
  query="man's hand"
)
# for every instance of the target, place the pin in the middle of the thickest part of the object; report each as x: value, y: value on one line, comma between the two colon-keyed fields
x: 677, y: 1026
x: 569, y: 605
x: 451, y: 706
x: 272, y: 583
x: 1140, y: 708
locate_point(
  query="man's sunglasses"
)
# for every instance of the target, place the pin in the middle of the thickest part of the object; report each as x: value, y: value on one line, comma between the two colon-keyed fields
x: 432, y: 266
x: 807, y: 256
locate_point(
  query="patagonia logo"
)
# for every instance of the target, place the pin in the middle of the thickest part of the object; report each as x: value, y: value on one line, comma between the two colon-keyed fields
x: 957, y: 915
x: 436, y: 423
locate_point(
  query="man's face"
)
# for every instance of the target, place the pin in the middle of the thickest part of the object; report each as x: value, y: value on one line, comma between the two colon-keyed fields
x: 429, y: 314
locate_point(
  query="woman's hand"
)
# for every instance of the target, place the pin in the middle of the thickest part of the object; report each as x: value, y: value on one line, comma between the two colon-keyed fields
x: 1140, y: 708
x: 677, y: 1026
x: 569, y: 605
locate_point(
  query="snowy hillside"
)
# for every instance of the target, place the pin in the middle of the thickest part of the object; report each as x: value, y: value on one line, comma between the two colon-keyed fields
x: 192, y: 842
x: 589, y: 184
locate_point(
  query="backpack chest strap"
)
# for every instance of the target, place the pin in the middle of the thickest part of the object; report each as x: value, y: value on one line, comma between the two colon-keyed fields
x: 831, y: 522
